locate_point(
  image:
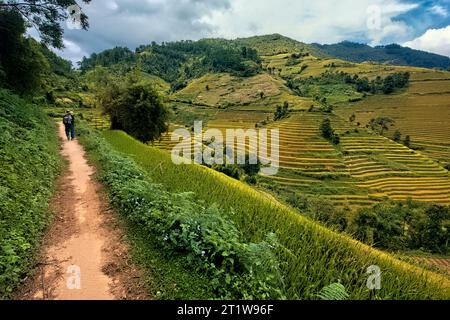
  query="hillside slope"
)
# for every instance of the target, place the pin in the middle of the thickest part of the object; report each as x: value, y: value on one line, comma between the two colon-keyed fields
x: 391, y: 54
x: 29, y: 163
x: 311, y: 256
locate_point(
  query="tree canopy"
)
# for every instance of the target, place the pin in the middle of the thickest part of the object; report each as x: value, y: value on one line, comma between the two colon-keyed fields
x: 177, y: 62
x: 47, y: 15
x: 21, y: 59
x: 133, y: 105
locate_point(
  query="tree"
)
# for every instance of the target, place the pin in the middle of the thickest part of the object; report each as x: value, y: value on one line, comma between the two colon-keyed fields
x: 133, y: 105
x: 21, y: 59
x: 281, y: 112
x: 352, y: 118
x: 328, y: 132
x: 47, y: 15
x: 381, y: 124
x: 326, y: 129
x: 407, y: 141
x: 139, y: 110
x: 431, y: 229
x: 397, y: 136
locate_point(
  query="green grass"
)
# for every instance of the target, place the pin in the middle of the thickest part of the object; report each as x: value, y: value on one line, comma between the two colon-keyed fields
x: 313, y: 256
x: 29, y: 163
x: 167, y: 277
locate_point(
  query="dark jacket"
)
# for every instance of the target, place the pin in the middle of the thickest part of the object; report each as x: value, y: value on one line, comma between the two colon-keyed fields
x: 72, y: 122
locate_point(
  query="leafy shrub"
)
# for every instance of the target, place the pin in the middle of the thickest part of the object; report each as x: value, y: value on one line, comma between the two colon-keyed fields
x: 207, y: 238
x: 334, y: 291
x: 29, y: 162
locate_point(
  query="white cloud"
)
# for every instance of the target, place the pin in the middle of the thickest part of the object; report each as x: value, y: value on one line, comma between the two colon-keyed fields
x: 325, y: 21
x: 72, y: 51
x: 439, y: 10
x: 434, y: 40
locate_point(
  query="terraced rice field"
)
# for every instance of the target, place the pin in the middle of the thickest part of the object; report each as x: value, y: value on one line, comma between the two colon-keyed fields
x: 440, y: 263
x: 389, y: 169
x: 364, y: 169
x: 93, y: 116
x: 422, y: 112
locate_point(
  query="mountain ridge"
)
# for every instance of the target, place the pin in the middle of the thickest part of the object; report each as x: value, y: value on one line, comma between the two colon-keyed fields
x: 393, y: 54
x: 274, y: 44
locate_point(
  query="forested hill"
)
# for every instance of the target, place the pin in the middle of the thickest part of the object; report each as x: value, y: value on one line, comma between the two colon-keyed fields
x: 393, y: 54
x: 178, y: 62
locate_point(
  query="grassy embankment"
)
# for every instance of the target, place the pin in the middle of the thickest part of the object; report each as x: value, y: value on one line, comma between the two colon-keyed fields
x: 29, y: 163
x: 313, y: 256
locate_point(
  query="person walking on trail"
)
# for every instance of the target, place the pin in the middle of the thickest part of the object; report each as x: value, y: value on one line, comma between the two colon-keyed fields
x: 69, y: 125
x: 72, y: 129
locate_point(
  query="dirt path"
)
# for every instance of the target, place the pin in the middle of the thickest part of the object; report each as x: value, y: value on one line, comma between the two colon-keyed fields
x: 84, y: 256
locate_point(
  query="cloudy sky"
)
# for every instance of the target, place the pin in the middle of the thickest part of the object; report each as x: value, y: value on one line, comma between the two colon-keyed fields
x: 423, y: 25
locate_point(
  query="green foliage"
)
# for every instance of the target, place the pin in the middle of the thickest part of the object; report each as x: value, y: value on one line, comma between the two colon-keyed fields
x: 133, y: 105
x: 332, y: 83
x: 246, y: 172
x: 273, y: 44
x: 207, y: 238
x: 431, y: 229
x: 29, y: 162
x: 108, y: 58
x: 46, y: 16
x: 328, y: 132
x: 407, y: 141
x: 177, y: 62
x: 392, y: 54
x: 21, y: 58
x: 311, y: 256
x: 404, y: 226
x: 321, y: 210
x: 335, y: 291
x: 397, y: 136
x: 388, y: 225
x: 58, y: 65
x: 381, y: 124
x: 281, y: 112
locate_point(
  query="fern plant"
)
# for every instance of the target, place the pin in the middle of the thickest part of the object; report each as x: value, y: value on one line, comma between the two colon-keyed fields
x: 334, y: 291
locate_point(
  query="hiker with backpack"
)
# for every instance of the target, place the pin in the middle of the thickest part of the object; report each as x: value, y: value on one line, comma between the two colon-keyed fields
x: 69, y: 124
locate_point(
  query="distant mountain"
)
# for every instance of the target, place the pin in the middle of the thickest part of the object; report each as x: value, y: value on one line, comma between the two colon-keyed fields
x: 274, y: 44
x: 391, y: 54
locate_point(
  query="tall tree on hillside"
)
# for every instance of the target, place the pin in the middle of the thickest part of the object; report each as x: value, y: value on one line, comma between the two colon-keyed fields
x: 381, y: 124
x: 47, y: 15
x: 21, y: 59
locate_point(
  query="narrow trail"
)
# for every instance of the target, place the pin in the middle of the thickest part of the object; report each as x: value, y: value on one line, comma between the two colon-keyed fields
x: 84, y: 255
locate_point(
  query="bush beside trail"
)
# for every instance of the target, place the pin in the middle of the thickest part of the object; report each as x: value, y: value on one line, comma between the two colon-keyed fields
x: 29, y: 164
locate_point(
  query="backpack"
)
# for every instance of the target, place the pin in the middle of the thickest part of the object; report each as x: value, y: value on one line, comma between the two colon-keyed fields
x: 67, y: 120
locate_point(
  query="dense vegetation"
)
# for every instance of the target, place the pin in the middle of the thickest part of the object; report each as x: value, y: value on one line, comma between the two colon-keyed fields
x: 177, y: 62
x: 29, y: 163
x: 22, y: 64
x: 328, y: 132
x: 133, y: 103
x: 389, y: 225
x: 46, y: 17
x: 304, y: 247
x: 392, y: 54
x: 205, y: 235
x: 316, y: 86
